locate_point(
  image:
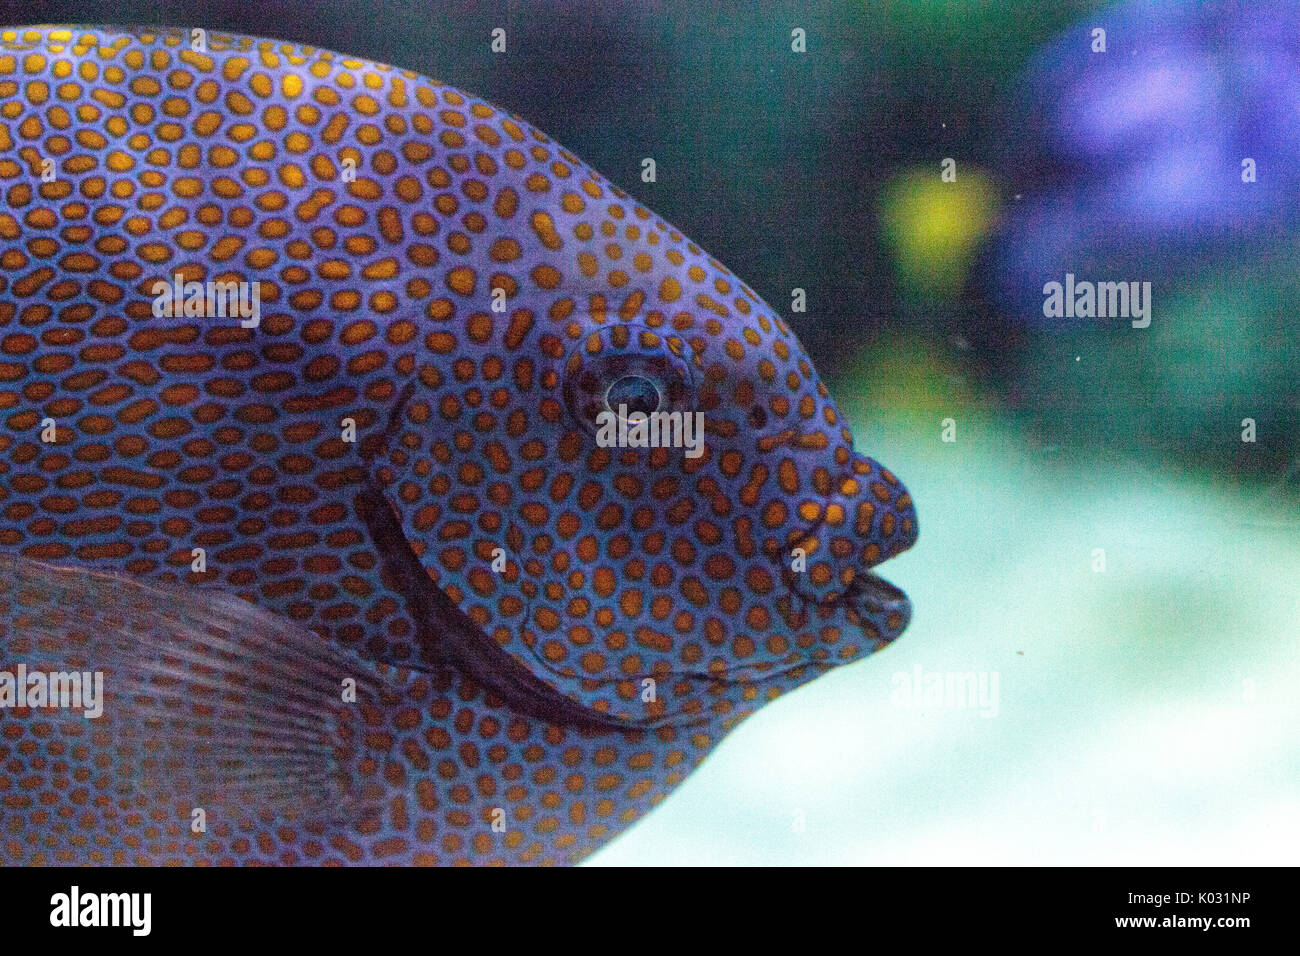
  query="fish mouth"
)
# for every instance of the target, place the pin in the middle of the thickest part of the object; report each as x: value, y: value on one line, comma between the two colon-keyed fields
x: 871, y: 598
x: 875, y: 607
x: 863, y: 598
x: 868, y: 598
x: 870, y: 594
x: 869, y: 603
x: 870, y: 519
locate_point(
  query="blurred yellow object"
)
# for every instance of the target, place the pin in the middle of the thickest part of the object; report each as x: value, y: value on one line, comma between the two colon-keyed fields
x: 932, y: 227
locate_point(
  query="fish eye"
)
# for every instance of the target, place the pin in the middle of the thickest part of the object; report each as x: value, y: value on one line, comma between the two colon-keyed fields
x: 636, y: 392
x: 628, y: 366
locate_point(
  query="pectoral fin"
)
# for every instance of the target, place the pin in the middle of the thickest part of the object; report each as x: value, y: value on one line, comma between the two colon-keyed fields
x: 174, y: 698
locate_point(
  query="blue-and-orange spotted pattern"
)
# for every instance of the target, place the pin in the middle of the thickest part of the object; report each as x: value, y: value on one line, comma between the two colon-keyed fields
x: 657, y: 597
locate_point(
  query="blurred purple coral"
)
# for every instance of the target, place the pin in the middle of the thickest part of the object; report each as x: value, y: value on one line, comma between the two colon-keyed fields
x: 1129, y: 163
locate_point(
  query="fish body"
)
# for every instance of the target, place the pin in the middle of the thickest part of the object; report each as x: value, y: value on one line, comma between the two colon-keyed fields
x: 365, y: 583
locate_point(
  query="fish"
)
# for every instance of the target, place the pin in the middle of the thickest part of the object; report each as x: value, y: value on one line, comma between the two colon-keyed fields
x: 362, y: 582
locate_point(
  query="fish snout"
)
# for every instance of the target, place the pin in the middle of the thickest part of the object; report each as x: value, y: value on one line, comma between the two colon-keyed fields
x: 868, y: 519
x: 884, y: 514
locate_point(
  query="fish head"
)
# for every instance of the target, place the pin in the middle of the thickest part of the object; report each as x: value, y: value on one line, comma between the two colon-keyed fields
x: 650, y: 579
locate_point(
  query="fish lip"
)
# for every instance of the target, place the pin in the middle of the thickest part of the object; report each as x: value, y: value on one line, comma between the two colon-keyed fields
x: 870, y: 594
x: 870, y: 603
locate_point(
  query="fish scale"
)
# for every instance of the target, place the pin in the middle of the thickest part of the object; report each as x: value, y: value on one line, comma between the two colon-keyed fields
x: 394, y: 476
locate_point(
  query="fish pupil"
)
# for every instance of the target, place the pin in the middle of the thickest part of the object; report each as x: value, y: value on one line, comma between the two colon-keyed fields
x: 638, y: 393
